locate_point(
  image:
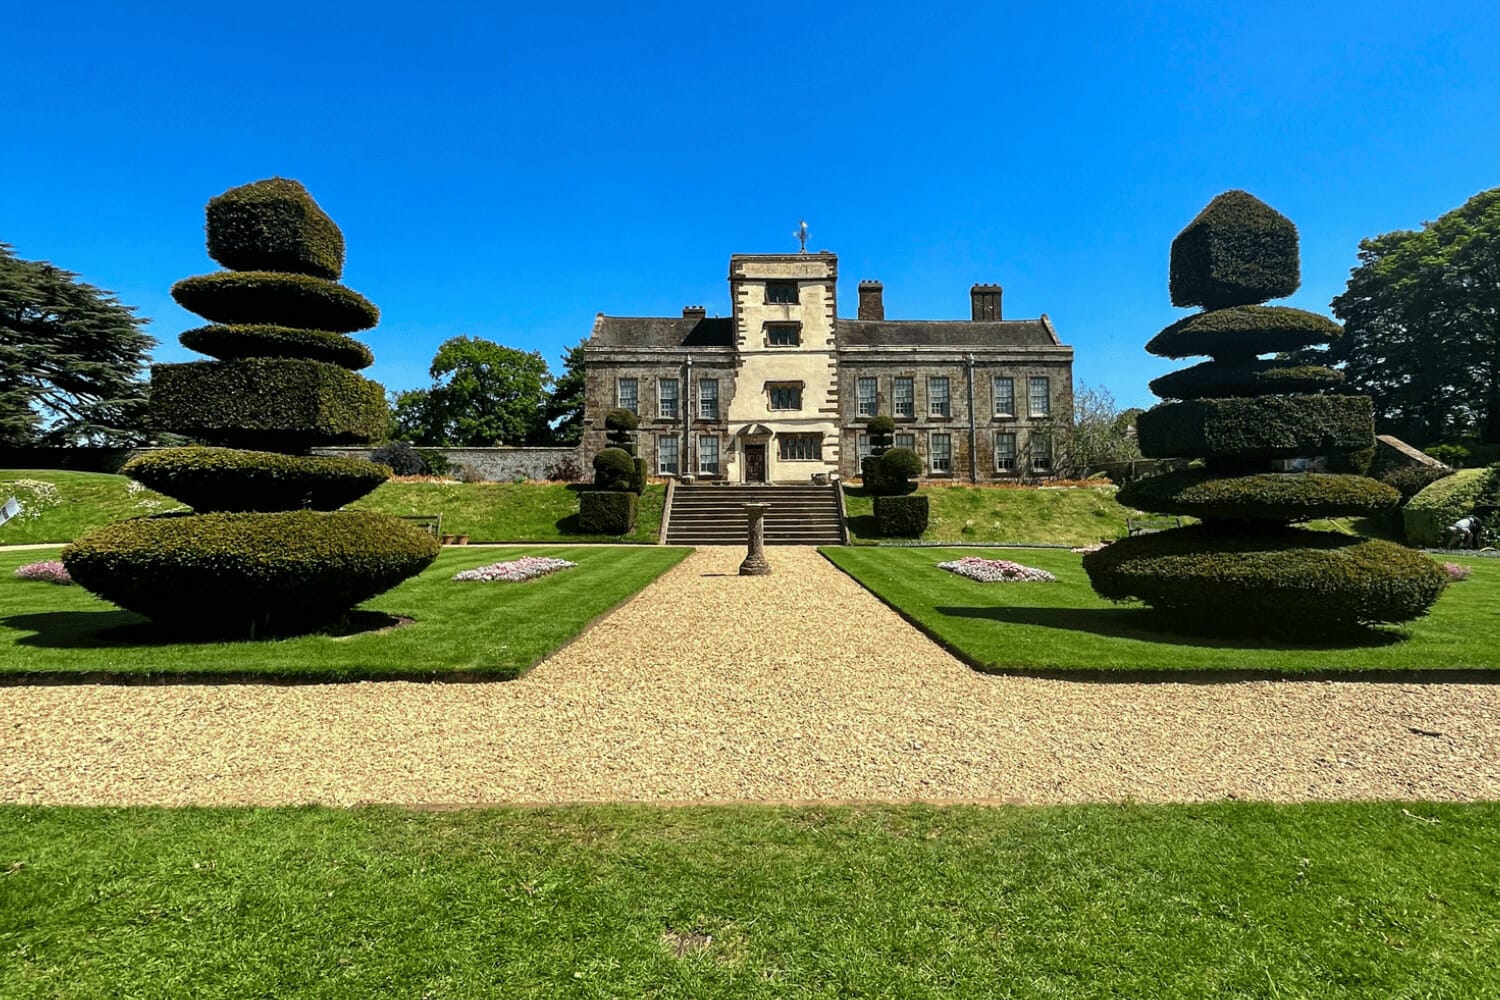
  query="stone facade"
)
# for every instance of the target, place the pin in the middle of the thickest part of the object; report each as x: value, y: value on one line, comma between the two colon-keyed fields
x: 501, y: 465
x: 795, y: 384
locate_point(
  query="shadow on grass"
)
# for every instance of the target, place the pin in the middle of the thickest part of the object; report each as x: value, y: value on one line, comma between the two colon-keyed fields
x: 99, y: 629
x: 865, y: 526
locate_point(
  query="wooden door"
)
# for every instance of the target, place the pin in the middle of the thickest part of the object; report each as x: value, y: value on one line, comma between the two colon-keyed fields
x: 755, y: 463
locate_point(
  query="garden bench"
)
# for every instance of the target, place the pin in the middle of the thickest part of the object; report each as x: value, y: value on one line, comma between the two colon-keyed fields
x: 1151, y: 525
x: 431, y: 523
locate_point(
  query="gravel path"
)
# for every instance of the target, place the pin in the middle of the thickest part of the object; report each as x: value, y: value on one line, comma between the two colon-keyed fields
x: 714, y: 687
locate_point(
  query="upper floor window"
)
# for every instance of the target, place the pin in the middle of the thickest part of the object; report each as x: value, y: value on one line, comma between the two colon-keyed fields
x: 627, y: 394
x: 782, y: 291
x: 937, y: 396
x: 666, y: 394
x: 666, y: 455
x: 904, y: 398
x: 785, y: 396
x: 800, y: 447
x: 783, y: 335
x: 1005, y: 397
x: 866, y: 390
x: 940, y: 453
x: 708, y: 399
x: 1040, y: 402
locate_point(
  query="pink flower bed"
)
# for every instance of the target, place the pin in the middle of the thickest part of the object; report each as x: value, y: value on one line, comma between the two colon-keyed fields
x: 514, y: 570
x: 996, y: 571
x: 1456, y: 572
x: 47, y: 571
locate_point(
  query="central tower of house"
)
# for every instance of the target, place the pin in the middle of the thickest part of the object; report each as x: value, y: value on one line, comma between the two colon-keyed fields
x: 784, y: 416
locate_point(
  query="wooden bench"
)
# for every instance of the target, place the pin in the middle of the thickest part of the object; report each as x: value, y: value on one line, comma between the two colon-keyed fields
x: 1151, y: 525
x: 431, y: 523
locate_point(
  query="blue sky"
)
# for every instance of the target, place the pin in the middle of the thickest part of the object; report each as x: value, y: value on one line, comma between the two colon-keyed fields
x: 508, y: 171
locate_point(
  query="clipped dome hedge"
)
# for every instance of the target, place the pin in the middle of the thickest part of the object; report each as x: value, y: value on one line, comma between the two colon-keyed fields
x: 1238, y: 251
x: 296, y: 300
x: 1254, y: 378
x: 1426, y: 516
x: 230, y: 343
x: 228, y: 479
x: 1244, y: 332
x: 274, y: 225
x: 1265, y: 496
x: 1257, y: 427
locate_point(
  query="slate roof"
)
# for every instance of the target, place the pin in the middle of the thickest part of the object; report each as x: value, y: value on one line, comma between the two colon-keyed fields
x: 668, y: 331
x: 944, y: 333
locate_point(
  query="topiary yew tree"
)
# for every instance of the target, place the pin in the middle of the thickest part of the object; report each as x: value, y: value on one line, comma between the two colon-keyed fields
x: 1245, y: 564
x: 267, y: 548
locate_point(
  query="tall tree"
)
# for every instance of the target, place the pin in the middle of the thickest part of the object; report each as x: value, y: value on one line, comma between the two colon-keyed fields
x: 1421, y: 320
x: 71, y: 359
x: 565, y: 402
x: 1101, y: 431
x: 482, y: 394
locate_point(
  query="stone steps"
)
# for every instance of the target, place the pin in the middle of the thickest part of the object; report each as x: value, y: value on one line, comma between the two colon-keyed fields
x: 715, y: 515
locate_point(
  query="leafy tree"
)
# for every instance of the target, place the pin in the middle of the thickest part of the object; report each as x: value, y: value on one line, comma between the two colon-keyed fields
x: 482, y: 394
x: 564, y: 412
x: 71, y: 358
x: 1421, y: 320
x: 1101, y: 431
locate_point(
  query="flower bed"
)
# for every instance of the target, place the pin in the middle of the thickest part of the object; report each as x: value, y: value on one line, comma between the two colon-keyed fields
x: 514, y: 570
x: 47, y: 571
x: 996, y: 571
x: 1456, y: 572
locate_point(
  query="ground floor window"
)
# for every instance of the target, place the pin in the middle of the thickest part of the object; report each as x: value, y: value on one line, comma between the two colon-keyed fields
x: 864, y: 447
x: 1041, y: 452
x: 708, y: 455
x: 908, y: 441
x: 940, y: 454
x: 666, y: 455
x: 800, y: 447
x: 1005, y: 452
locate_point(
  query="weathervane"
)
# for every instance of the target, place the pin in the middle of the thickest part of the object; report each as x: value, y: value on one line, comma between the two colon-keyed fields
x: 801, y: 235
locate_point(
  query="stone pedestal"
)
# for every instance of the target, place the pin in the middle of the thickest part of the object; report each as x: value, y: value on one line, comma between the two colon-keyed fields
x: 755, y: 560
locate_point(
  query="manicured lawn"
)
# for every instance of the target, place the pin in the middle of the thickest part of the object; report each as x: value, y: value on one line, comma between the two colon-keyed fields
x: 1078, y: 516
x: 1029, y: 627
x: 491, y: 630
x: 60, y: 506
x: 1224, y: 900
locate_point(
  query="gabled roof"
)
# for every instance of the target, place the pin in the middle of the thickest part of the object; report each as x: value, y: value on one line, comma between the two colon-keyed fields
x: 946, y: 333
x: 670, y: 331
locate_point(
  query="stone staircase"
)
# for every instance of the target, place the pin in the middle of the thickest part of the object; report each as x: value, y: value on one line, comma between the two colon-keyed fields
x: 715, y: 515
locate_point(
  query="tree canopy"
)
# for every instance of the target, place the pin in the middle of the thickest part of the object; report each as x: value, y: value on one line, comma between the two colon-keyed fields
x: 564, y: 414
x: 1101, y: 432
x: 1421, y: 320
x: 71, y: 359
x: 482, y: 394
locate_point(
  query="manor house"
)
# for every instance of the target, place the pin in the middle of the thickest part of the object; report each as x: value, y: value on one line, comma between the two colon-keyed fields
x: 782, y: 387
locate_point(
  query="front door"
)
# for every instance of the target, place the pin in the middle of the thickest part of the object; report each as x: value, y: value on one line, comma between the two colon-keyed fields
x: 755, y: 463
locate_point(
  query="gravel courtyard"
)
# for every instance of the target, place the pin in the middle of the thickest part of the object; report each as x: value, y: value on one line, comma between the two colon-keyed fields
x: 713, y: 687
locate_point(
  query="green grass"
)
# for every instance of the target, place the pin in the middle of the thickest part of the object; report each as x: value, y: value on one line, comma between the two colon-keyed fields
x: 1223, y: 900
x: 489, y: 630
x: 1072, y: 516
x: 1064, y: 626
x: 70, y: 503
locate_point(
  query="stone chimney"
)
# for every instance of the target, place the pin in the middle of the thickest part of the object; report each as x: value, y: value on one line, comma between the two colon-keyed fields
x: 871, y: 300
x: 986, y: 300
x: 694, y: 312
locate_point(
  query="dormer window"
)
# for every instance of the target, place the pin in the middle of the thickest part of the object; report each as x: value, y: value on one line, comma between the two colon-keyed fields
x: 783, y: 292
x: 783, y: 335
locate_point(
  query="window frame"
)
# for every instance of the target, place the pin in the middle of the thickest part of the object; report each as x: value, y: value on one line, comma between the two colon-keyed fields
x: 661, y: 398
x: 796, y: 293
x: 910, y: 382
x: 815, y: 451
x: 718, y: 465
x: 995, y: 392
x: 661, y: 465
x: 715, y: 414
x: 774, y: 328
x: 1031, y: 410
x: 862, y: 447
x: 1032, y: 455
x: 1015, y: 452
x: 773, y: 387
x: 910, y: 437
x: 635, y: 394
x: 933, y: 453
x: 860, y: 382
x: 932, y: 402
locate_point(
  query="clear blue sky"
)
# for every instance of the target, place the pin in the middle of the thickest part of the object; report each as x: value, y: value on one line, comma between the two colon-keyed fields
x: 509, y: 171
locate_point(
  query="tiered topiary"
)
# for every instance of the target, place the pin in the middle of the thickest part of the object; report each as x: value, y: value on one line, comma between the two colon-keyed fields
x: 890, y: 476
x: 619, y: 479
x: 268, y: 549
x: 1246, y: 565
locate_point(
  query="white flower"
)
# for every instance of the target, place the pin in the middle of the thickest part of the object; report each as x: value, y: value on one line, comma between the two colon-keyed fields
x: 514, y: 570
x: 996, y: 571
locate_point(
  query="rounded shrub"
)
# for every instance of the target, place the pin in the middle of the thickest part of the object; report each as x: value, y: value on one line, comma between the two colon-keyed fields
x: 1426, y: 516
x: 274, y: 225
x: 402, y: 458
x: 1237, y: 251
x: 239, y: 574
x: 897, y: 472
x: 901, y: 516
x: 1244, y: 332
x: 227, y: 479
x: 229, y: 343
x: 1256, y: 427
x: 606, y: 512
x: 620, y: 424
x: 1287, y: 579
x: 1267, y: 496
x: 1252, y: 378
x: 613, y: 470
x: 281, y: 404
x: 1409, y: 480
x: 277, y: 298
x: 882, y: 431
x: 1455, y: 456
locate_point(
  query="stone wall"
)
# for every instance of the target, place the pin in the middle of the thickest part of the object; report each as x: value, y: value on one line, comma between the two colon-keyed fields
x: 501, y: 465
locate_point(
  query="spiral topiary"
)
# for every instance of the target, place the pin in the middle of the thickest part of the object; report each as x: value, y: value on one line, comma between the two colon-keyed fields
x: 267, y: 549
x: 1245, y: 565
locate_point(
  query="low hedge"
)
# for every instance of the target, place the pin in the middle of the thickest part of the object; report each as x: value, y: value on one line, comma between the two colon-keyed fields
x: 229, y: 343
x: 1270, y: 496
x: 1285, y: 579
x: 257, y: 297
x: 901, y: 516
x: 610, y: 512
x: 1256, y: 427
x: 894, y: 473
x: 275, y: 404
x: 1244, y: 332
x: 226, y: 479
x: 1426, y: 516
x: 1238, y: 250
x: 1249, y: 378
x: 637, y: 476
x: 614, y: 470
x: 239, y: 574
x: 274, y: 225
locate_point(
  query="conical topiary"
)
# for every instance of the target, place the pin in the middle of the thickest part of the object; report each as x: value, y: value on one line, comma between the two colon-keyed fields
x: 268, y: 547
x: 1246, y: 564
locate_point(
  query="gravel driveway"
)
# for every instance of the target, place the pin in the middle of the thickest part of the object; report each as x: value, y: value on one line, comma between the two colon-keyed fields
x: 713, y: 687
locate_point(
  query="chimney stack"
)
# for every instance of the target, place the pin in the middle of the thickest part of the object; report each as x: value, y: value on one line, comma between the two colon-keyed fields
x: 694, y: 312
x: 986, y: 300
x: 871, y: 300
